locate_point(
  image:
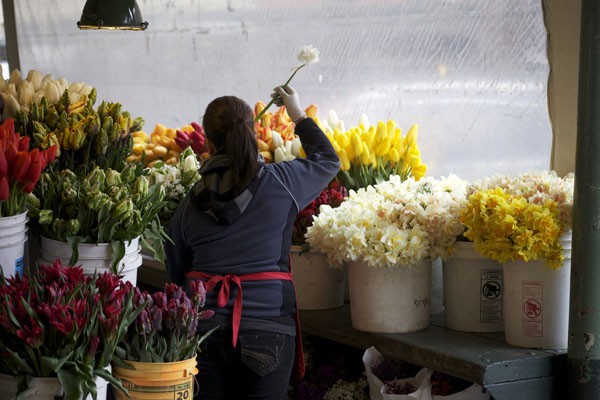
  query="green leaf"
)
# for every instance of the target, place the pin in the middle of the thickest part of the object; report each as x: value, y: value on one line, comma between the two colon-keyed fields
x: 21, y: 363
x: 74, y: 243
x: 72, y: 383
x: 54, y: 364
x: 116, y: 382
x: 118, y: 247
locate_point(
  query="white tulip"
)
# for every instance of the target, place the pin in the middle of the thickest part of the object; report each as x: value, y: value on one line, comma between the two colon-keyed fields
x: 85, y: 89
x: 288, y: 146
x: 308, y: 55
x: 37, y: 96
x: 25, y: 94
x: 35, y: 78
x: 64, y: 84
x: 190, y: 163
x: 364, y: 120
x: 332, y: 118
x: 340, y: 126
x: 2, y: 85
x: 276, y: 138
x: 279, y: 154
x: 296, y: 145
x: 11, y: 106
x: 75, y: 97
x: 11, y: 89
x: 75, y: 87
x: 15, y: 77
x: 48, y: 78
x: 52, y: 93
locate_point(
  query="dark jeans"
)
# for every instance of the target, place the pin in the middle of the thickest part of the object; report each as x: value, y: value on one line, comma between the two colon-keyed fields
x: 259, y: 368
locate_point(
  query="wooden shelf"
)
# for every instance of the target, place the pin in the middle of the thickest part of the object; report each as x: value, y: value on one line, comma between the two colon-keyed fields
x: 481, y: 358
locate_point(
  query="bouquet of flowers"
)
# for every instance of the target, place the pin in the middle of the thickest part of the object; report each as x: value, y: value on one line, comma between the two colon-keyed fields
x: 371, y: 154
x: 166, y: 329
x: 85, y: 137
x: 20, y: 169
x: 103, y: 206
x: 332, y: 196
x: 392, y: 223
x: 58, y: 323
x: 520, y: 218
x: 177, y: 180
x: 275, y: 134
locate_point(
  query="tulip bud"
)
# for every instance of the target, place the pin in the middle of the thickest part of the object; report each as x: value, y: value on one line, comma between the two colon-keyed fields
x: 113, y: 178
x: 190, y: 163
x: 296, y: 146
x: 35, y: 78
x: 311, y: 111
x: 411, y: 136
x: 383, y: 147
x: 11, y: 105
x: 123, y: 209
x: 21, y: 166
x: 279, y: 154
x: 4, y: 189
x: 276, y: 139
x: 332, y: 119
x: 15, y: 77
x: 46, y: 217
x: 72, y: 227
x: 3, y: 164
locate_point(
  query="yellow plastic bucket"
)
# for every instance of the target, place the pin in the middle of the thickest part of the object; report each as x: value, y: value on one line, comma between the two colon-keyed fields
x: 157, y: 381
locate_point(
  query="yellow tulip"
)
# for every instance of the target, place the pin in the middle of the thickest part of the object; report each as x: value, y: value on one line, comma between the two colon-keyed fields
x: 349, y: 150
x: 365, y: 156
x: 160, y: 129
x: 362, y: 128
x: 383, y: 147
x: 396, y: 136
x: 302, y: 153
x: 381, y: 132
x: 336, y: 147
x: 391, y: 127
x: 413, y: 160
x: 393, y: 155
x: 373, y: 160
x: 356, y: 143
x: 344, y: 161
x: 411, y: 136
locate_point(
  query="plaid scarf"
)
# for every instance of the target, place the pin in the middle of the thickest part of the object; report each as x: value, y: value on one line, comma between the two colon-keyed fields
x: 215, y: 194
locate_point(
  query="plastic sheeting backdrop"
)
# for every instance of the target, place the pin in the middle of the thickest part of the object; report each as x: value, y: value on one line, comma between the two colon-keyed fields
x: 471, y: 73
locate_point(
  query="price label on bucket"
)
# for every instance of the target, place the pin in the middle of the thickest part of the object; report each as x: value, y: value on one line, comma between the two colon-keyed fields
x: 533, y: 308
x: 490, y: 309
x: 19, y: 265
x: 166, y: 391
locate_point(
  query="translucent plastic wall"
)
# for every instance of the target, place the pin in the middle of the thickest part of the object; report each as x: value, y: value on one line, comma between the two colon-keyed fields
x: 471, y: 73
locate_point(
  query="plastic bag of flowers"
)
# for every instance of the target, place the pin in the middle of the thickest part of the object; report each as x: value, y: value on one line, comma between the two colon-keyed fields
x: 159, y: 351
x: 380, y: 370
x: 415, y: 388
x: 58, y: 323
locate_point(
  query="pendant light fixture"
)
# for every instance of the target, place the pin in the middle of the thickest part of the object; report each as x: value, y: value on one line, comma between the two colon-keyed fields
x: 112, y: 14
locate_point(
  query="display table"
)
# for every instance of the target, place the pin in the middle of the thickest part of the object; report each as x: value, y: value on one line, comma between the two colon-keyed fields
x: 507, y: 372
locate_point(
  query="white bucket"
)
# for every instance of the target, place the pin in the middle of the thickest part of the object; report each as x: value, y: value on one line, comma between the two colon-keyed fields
x: 44, y: 388
x: 473, y: 291
x: 318, y: 286
x: 436, y: 302
x: 389, y: 300
x: 14, y: 237
x: 12, y: 258
x: 93, y: 257
x: 537, y: 303
x: 12, y: 224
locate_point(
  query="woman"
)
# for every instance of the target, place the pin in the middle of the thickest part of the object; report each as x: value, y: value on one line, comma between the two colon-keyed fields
x: 234, y: 230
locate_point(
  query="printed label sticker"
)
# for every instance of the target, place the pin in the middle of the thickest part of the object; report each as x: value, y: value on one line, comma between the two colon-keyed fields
x: 533, y: 308
x: 490, y: 304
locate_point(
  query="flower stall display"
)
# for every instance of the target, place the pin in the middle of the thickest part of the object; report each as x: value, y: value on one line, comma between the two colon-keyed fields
x: 525, y: 222
x: 388, y: 234
x: 20, y: 170
x: 176, y: 180
x: 159, y: 351
x: 58, y: 323
x: 371, y: 154
x: 104, y: 213
x: 317, y: 285
x: 19, y: 94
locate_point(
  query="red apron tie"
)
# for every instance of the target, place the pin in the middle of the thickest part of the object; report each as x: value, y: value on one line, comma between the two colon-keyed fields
x: 223, y: 298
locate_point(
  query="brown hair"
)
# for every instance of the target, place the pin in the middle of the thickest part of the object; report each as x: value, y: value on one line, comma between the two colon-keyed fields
x: 229, y: 124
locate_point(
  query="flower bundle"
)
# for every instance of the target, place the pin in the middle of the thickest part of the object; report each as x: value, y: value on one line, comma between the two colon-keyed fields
x: 166, y: 328
x: 58, y: 323
x: 104, y: 206
x: 520, y: 218
x: 392, y: 223
x: 371, y: 154
x: 332, y: 196
x: 193, y: 135
x: 85, y: 137
x: 20, y: 168
x: 177, y: 180
x: 19, y: 93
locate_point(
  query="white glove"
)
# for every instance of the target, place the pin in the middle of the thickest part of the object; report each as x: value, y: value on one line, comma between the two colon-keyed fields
x: 286, y: 95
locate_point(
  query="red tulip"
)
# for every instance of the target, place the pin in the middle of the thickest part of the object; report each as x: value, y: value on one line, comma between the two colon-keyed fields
x: 50, y: 154
x: 3, y: 164
x: 11, y: 154
x: 4, y: 189
x: 24, y: 143
x: 21, y: 166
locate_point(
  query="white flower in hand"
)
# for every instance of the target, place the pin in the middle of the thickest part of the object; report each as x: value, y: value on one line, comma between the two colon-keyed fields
x: 308, y: 55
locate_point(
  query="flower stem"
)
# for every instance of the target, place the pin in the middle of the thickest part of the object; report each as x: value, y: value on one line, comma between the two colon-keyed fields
x: 264, y: 110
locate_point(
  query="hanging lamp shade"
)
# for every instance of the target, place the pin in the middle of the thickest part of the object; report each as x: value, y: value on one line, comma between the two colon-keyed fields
x: 112, y: 14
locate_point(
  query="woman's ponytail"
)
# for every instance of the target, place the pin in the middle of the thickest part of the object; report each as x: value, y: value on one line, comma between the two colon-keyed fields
x: 229, y: 125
